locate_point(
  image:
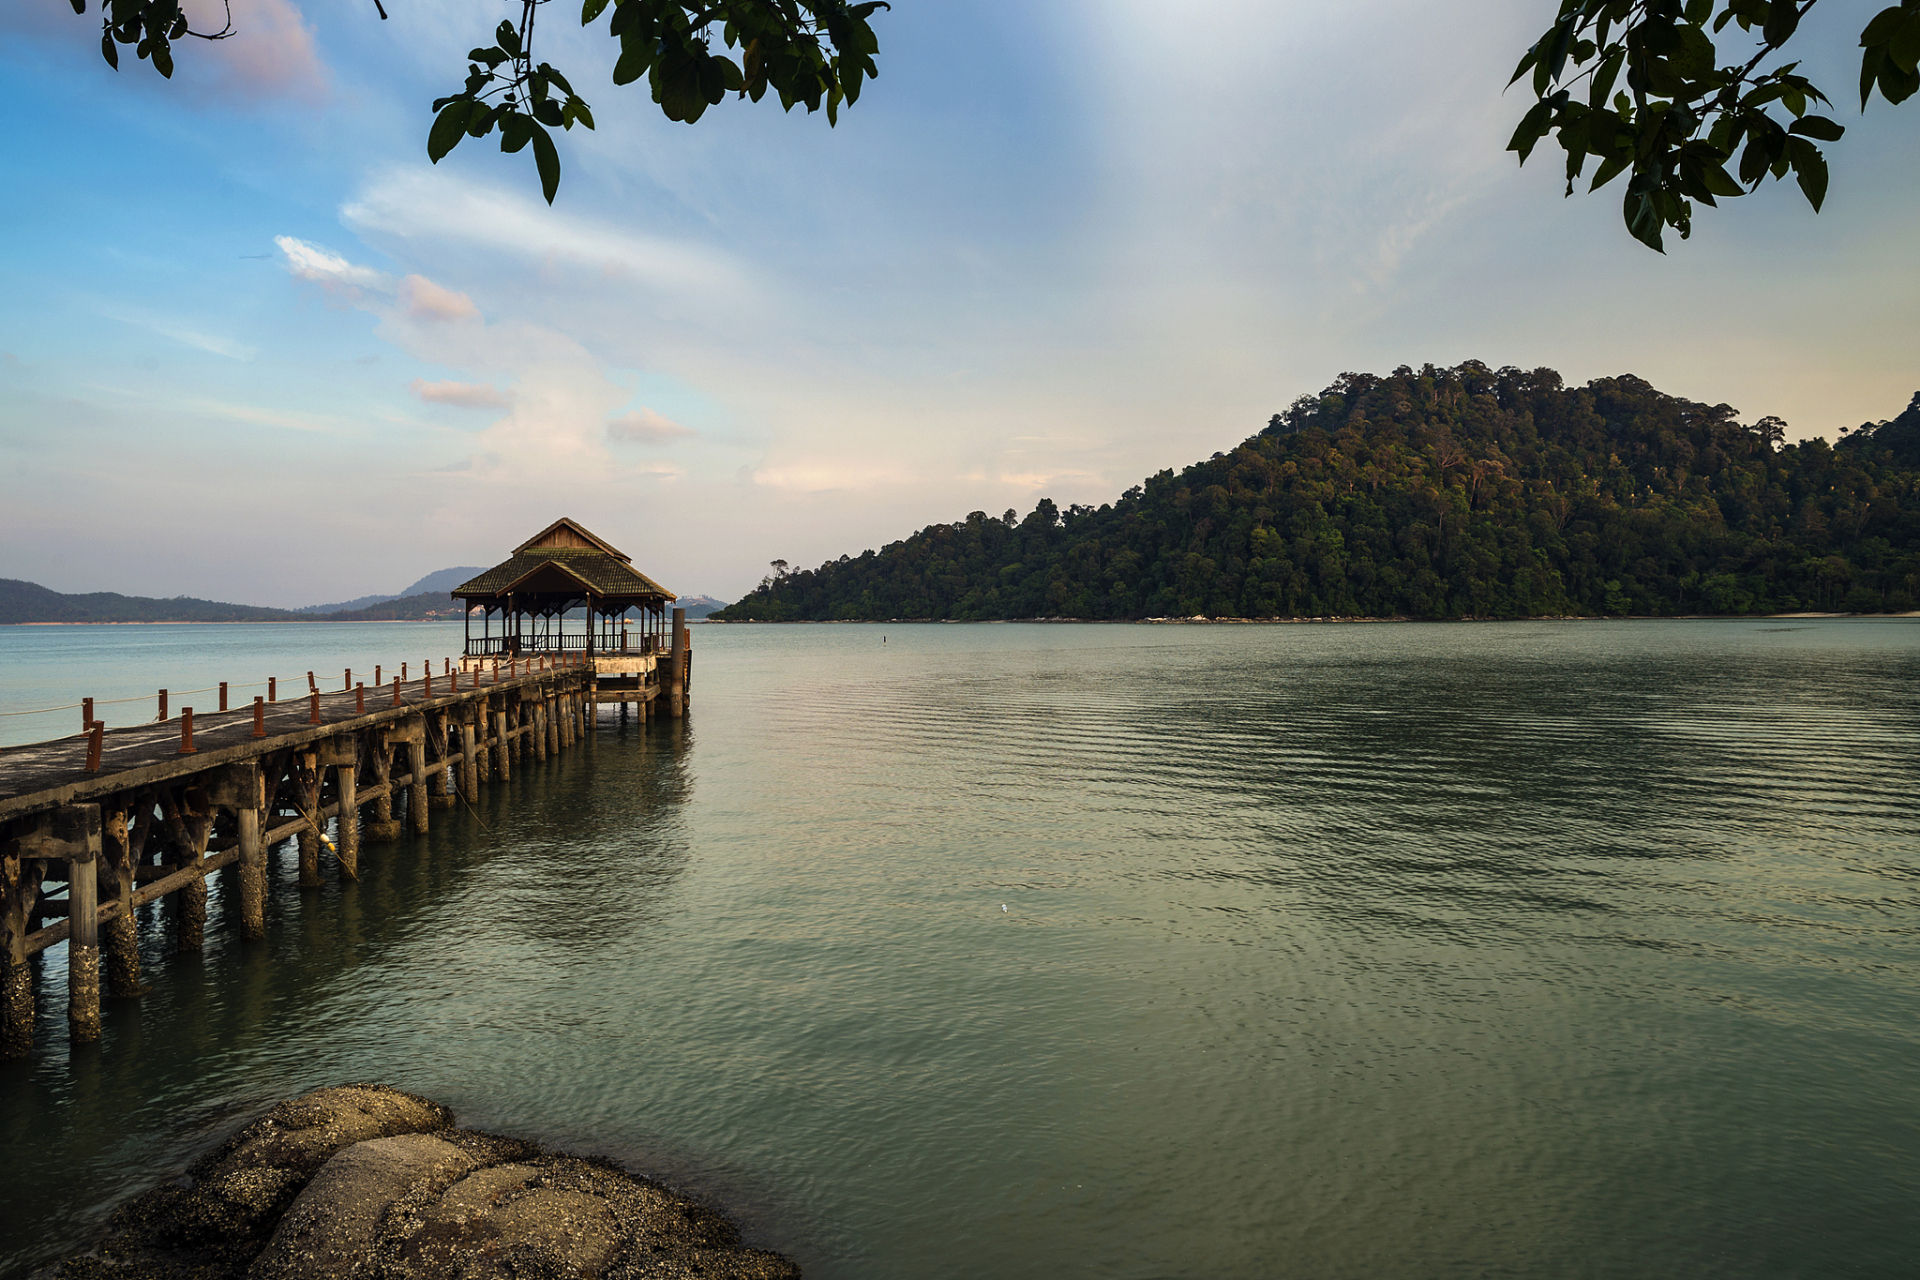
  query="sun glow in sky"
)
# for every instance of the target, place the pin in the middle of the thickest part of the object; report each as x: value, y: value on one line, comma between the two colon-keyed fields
x: 254, y: 347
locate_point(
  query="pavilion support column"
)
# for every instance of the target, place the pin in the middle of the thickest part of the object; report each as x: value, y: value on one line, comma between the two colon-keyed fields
x: 417, y: 782
x: 120, y: 943
x: 306, y: 781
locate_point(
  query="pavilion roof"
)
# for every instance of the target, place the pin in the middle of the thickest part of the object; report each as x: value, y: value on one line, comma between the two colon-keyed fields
x: 574, y: 570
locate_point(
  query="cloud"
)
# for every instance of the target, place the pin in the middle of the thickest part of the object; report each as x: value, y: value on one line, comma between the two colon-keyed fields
x: 466, y: 395
x: 269, y: 55
x: 330, y: 271
x: 644, y: 426
x: 425, y: 300
x: 181, y: 333
x: 436, y: 206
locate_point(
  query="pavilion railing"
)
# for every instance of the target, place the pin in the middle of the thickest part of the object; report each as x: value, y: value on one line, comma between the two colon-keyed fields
x: 504, y: 646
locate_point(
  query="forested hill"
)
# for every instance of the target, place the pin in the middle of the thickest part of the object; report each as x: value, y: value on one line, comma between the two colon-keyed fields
x: 1440, y: 493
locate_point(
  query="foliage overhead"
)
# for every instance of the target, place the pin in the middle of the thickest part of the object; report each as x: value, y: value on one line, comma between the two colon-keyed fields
x: 1441, y: 493
x: 815, y: 53
x: 1641, y: 88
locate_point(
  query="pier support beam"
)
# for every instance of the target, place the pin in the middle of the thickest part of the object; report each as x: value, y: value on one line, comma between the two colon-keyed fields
x: 417, y: 782
x: 253, y: 853
x: 346, y: 849
x: 380, y: 823
x: 82, y: 836
x: 20, y: 878
x: 503, y: 758
x: 306, y: 781
x: 676, y: 669
x: 469, y: 765
x: 437, y: 793
x: 190, y: 824
x: 121, y: 844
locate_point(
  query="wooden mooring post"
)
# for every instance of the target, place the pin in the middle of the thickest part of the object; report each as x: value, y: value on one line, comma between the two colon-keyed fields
x: 81, y: 852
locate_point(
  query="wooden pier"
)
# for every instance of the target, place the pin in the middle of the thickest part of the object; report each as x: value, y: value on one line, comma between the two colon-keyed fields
x: 95, y: 826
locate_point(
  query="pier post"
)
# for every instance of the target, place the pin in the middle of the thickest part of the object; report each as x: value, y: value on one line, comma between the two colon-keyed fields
x: 190, y: 823
x: 307, y: 786
x: 20, y: 877
x: 437, y: 793
x: 253, y: 876
x: 82, y: 837
x: 417, y: 780
x: 469, y: 766
x: 380, y: 823
x: 503, y: 762
x: 549, y: 719
x: 347, y: 848
x: 120, y: 945
x: 676, y: 704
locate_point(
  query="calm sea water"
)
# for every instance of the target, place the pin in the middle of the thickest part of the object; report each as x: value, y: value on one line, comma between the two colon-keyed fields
x: 1524, y: 949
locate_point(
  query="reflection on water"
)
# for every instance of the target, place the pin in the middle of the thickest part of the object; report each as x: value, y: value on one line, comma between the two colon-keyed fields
x: 1513, y: 949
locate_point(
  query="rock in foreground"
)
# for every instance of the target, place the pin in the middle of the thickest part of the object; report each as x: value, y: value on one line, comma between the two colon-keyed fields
x: 363, y: 1182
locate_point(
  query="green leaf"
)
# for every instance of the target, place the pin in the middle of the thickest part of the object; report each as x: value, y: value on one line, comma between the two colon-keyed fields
x: 79, y: 6
x: 591, y: 10
x: 448, y: 128
x: 107, y: 51
x: 1904, y: 49
x: 516, y: 130
x: 162, y: 56
x: 1809, y: 170
x: 1533, y: 127
x: 1716, y: 179
x: 508, y: 38
x: 546, y: 158
x: 1817, y: 127
x: 1884, y: 24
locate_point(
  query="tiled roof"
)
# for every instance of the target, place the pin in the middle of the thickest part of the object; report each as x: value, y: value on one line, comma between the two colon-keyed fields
x: 604, y: 574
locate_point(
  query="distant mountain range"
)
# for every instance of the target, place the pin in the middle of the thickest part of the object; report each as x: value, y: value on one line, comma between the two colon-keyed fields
x: 440, y: 581
x: 29, y: 602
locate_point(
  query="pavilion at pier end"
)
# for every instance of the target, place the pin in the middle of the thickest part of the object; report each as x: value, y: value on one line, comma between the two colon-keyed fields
x: 567, y: 590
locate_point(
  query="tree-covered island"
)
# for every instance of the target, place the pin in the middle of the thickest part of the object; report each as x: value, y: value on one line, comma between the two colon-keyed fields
x: 1437, y: 493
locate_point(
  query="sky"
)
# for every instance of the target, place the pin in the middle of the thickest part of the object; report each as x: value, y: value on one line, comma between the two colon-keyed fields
x: 255, y: 347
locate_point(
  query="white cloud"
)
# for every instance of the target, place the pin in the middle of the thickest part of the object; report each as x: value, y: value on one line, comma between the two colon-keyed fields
x: 329, y: 270
x: 465, y: 395
x: 186, y: 335
x: 437, y: 206
x: 644, y: 426
x: 425, y: 300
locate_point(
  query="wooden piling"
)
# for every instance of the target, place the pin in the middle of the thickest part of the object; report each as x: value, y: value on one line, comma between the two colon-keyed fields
x: 20, y: 877
x: 417, y: 780
x: 307, y: 795
x: 120, y: 945
x: 380, y: 824
x: 83, y: 921
x: 346, y: 848
x: 253, y: 862
x: 439, y: 795
x: 469, y: 767
x: 676, y: 667
x: 503, y: 757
